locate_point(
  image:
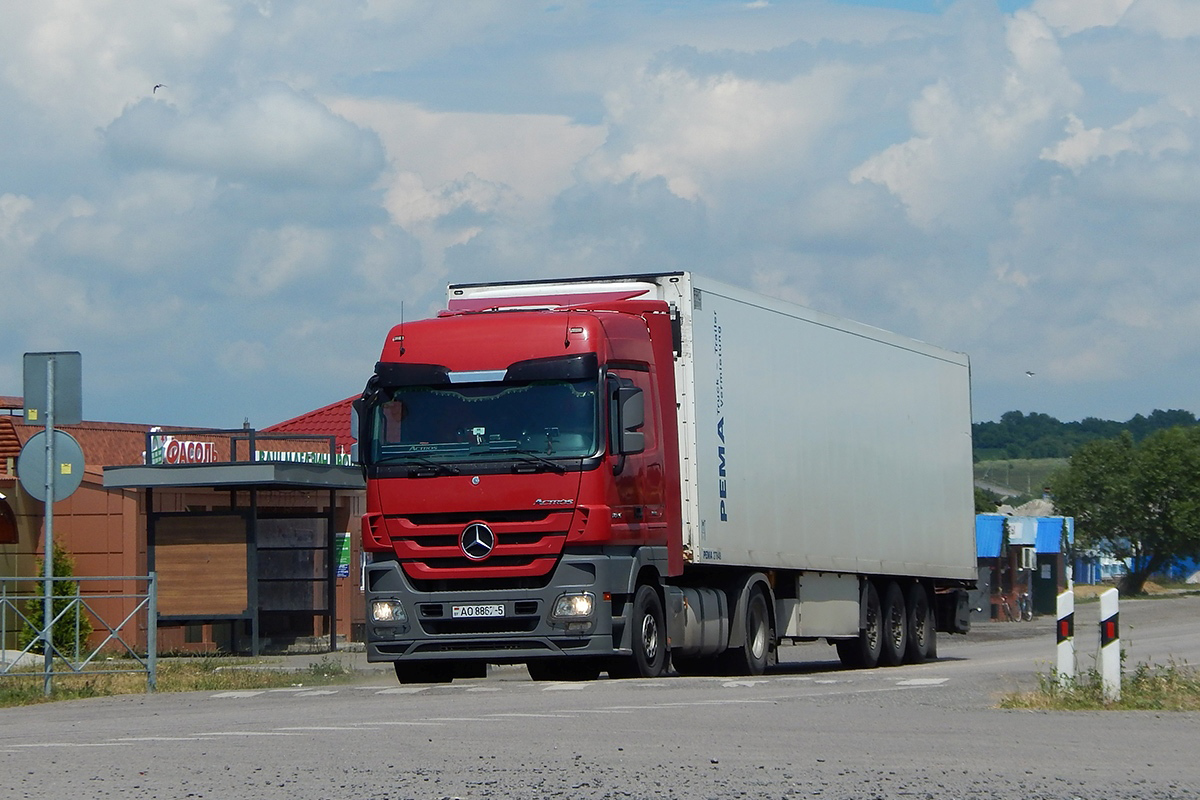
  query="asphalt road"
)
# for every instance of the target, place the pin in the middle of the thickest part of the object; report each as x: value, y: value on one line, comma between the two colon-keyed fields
x: 809, y: 729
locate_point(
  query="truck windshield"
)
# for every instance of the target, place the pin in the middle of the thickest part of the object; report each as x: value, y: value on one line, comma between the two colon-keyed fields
x: 485, y: 421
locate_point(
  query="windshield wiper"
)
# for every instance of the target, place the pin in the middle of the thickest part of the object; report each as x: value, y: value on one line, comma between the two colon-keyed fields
x: 427, y: 466
x: 530, y: 457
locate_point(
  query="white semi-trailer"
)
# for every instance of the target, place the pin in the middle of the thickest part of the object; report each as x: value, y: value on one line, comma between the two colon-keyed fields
x: 609, y: 473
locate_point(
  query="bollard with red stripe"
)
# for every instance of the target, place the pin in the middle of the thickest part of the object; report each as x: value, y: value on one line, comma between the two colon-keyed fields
x: 1110, y: 645
x: 1066, y: 636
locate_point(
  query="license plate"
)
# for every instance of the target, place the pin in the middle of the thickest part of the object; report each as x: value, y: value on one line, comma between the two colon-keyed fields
x: 477, y: 611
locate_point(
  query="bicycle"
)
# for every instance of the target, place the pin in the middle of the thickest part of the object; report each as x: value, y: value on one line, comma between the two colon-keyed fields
x: 1004, y: 610
x: 1024, y: 607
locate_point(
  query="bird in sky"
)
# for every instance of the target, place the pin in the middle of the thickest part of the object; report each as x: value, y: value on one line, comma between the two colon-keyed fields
x: 158, y: 86
x: 1028, y: 374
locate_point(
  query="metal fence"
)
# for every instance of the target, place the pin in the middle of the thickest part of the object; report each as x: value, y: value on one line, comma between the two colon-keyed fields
x: 114, y: 646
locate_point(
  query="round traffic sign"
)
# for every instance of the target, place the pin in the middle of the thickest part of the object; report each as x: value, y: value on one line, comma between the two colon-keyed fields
x: 68, y: 465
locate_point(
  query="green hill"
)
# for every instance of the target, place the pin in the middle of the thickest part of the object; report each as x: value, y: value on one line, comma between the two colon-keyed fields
x: 1041, y: 436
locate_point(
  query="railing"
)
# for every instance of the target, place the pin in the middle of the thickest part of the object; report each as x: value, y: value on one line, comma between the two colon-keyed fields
x: 239, y: 446
x: 119, y: 648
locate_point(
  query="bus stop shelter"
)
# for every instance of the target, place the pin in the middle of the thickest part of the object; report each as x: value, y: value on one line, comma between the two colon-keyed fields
x: 246, y: 531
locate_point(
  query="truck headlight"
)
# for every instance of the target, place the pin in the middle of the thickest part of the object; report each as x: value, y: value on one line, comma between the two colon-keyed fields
x: 574, y: 606
x: 388, y: 611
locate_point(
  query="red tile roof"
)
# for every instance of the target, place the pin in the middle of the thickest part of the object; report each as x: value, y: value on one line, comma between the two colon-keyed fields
x: 117, y: 443
x: 332, y: 420
x: 103, y: 443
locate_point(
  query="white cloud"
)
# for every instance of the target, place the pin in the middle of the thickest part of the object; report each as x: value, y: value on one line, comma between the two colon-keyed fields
x: 82, y: 61
x: 275, y: 259
x: 970, y: 139
x: 1072, y: 16
x: 440, y: 161
x: 276, y: 136
x: 1150, y: 132
x: 701, y: 131
x: 1169, y: 19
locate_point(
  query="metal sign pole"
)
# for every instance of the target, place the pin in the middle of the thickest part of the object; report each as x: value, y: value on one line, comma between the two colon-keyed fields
x: 48, y: 559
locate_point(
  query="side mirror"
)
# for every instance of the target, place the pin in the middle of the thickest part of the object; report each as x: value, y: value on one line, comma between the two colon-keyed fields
x: 629, y: 405
x: 356, y: 429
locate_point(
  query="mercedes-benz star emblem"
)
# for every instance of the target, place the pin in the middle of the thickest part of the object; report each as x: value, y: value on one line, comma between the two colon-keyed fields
x: 477, y: 541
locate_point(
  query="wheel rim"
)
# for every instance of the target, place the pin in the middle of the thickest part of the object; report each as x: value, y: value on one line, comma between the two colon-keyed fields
x: 650, y: 637
x: 897, y: 624
x: 758, y: 642
x: 871, y: 632
x: 920, y: 630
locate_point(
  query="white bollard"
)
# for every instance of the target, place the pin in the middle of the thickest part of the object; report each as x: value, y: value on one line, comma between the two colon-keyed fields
x: 1066, y: 637
x: 1110, y: 645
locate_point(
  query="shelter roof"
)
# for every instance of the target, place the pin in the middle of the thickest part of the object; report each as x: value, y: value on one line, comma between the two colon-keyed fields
x: 331, y: 420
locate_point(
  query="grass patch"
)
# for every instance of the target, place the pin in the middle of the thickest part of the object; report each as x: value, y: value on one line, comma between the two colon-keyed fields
x: 208, y: 673
x: 1173, y: 687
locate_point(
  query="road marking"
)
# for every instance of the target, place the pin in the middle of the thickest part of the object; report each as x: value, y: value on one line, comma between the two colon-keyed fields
x: 317, y: 692
x: 73, y: 744
x: 565, y: 687
x: 321, y: 728
x: 214, y: 734
x: 238, y: 694
x: 922, y: 682
x: 737, y: 684
x: 485, y: 689
x: 531, y: 716
x: 403, y: 690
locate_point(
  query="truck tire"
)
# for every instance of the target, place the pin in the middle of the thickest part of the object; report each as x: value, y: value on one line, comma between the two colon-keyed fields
x: 649, y: 639
x: 756, y: 655
x: 424, y: 671
x: 894, y: 626
x: 921, y: 626
x: 863, y: 652
x: 563, y: 669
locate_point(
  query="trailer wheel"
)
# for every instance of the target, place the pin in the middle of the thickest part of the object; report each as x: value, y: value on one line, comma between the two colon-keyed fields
x: 755, y: 656
x: 424, y: 671
x: 894, y: 626
x: 649, y: 638
x: 863, y: 652
x: 920, y: 626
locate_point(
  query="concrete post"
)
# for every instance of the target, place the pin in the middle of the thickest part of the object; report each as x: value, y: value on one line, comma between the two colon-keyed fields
x: 1110, y: 645
x: 1066, y: 636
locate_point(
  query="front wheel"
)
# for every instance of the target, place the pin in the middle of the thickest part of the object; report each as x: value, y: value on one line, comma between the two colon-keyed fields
x: 649, y: 638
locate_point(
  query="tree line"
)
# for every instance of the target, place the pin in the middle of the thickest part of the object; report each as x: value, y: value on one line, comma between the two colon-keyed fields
x: 1019, y: 435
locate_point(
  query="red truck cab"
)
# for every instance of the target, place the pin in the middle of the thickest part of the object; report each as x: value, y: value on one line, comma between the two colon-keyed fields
x: 522, y: 488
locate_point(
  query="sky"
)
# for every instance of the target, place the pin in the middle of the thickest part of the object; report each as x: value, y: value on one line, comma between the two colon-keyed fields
x: 1018, y: 181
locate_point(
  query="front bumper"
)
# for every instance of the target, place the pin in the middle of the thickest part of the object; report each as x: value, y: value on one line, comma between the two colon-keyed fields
x: 527, y: 628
